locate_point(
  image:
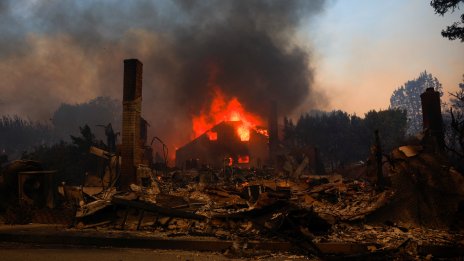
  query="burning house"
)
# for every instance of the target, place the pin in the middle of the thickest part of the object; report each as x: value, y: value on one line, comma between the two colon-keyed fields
x: 225, y: 144
x: 225, y: 134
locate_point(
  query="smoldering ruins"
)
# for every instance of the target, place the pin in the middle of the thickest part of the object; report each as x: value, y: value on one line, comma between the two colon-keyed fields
x: 229, y: 172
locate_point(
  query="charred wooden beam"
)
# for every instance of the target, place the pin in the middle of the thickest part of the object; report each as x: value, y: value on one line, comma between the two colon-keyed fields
x: 378, y: 159
x: 150, y: 207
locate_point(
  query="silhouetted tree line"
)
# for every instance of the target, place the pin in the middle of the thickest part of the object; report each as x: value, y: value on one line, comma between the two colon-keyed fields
x: 18, y: 135
x: 71, y: 160
x: 454, y: 127
x: 407, y: 97
x: 342, y: 138
x: 61, y: 144
x: 99, y: 111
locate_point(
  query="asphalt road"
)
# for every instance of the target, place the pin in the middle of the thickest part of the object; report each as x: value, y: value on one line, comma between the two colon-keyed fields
x: 98, y: 254
x: 39, y: 253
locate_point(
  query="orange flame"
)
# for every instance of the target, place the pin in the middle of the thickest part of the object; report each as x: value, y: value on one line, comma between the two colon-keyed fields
x: 212, y: 135
x: 222, y: 109
x: 243, y: 159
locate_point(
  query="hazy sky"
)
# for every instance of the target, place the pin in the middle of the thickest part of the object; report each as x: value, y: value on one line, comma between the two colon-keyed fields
x: 366, y: 49
x: 360, y: 51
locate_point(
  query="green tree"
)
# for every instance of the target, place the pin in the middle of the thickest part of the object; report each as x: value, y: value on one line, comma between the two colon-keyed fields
x: 18, y: 135
x: 86, y: 140
x: 289, y: 132
x: 343, y: 138
x: 407, y: 97
x: 455, y: 127
x: 101, y: 110
x: 71, y: 161
x: 391, y: 125
x: 456, y: 30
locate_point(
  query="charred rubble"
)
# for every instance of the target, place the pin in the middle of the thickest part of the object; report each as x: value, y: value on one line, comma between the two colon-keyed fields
x: 403, y: 204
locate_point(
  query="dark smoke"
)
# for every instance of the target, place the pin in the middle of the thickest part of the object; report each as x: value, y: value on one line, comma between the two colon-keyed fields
x: 72, y: 51
x: 251, y: 43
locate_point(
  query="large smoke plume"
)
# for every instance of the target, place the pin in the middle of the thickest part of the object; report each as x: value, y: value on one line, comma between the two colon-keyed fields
x: 72, y: 51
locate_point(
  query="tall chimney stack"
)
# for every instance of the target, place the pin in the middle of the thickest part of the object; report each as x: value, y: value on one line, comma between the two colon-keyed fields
x: 273, y: 133
x: 431, y: 116
x: 132, y: 107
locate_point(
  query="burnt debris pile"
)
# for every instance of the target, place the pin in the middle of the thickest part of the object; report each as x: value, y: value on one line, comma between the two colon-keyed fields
x: 310, y: 214
x: 248, y: 189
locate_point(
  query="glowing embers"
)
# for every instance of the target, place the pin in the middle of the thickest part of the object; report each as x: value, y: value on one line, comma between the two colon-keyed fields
x: 229, y: 161
x: 243, y: 159
x: 212, y: 135
x: 262, y: 132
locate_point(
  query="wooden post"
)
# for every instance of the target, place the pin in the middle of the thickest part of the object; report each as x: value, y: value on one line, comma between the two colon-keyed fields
x: 378, y: 158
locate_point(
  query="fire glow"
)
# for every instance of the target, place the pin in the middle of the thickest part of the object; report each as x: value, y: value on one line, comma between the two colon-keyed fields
x: 223, y: 109
x: 244, y: 159
x: 212, y: 135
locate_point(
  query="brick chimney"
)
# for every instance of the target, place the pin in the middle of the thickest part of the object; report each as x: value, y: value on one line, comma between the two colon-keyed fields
x: 131, y: 149
x: 431, y: 116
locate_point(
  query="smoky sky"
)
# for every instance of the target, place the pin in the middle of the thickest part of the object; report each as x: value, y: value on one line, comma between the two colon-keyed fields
x: 59, y: 51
